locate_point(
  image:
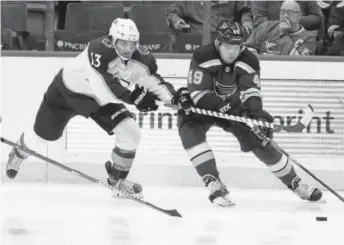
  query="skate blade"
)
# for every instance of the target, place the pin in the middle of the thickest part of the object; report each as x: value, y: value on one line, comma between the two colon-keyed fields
x: 122, y: 195
x: 226, y: 205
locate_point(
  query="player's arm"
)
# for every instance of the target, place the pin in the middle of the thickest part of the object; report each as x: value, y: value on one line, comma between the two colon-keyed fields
x: 164, y: 90
x: 102, y: 82
x: 248, y: 71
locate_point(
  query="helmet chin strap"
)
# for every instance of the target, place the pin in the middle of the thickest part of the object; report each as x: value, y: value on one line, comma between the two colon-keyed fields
x: 119, y: 54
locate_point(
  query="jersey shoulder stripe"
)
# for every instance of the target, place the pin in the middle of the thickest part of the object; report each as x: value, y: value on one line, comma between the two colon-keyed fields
x: 248, y: 62
x: 210, y: 63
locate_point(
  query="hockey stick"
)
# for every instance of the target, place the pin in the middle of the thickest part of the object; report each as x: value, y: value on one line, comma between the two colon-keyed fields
x: 266, y: 139
x: 298, y: 127
x: 172, y: 212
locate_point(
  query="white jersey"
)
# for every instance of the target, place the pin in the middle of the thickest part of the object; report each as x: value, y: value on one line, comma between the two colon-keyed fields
x: 99, y: 73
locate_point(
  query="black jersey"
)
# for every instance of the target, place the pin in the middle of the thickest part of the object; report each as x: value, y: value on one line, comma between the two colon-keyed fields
x: 210, y: 79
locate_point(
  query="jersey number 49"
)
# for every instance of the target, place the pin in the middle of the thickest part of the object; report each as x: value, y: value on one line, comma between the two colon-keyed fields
x: 195, y: 76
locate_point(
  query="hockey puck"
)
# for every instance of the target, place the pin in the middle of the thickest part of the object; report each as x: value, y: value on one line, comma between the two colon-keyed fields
x: 321, y: 218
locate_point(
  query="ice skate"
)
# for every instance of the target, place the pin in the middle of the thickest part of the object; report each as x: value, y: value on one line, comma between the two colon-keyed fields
x: 122, y: 187
x: 15, y: 160
x: 218, y: 191
x: 305, y: 191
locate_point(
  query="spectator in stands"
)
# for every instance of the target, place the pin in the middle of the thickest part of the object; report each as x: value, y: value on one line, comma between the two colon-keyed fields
x: 284, y: 37
x: 325, y: 7
x: 188, y: 16
x: 269, y: 10
x: 336, y: 29
x: 336, y: 19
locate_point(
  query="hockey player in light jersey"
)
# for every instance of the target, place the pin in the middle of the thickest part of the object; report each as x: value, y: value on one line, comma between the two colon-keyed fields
x: 224, y: 77
x: 110, y: 71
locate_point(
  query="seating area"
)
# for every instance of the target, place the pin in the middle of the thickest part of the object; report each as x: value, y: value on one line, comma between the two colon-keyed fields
x: 26, y: 25
x: 69, y: 26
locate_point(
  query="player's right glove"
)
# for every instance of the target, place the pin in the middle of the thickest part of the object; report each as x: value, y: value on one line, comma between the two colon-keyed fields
x: 262, y: 115
x: 183, y: 98
x: 143, y: 99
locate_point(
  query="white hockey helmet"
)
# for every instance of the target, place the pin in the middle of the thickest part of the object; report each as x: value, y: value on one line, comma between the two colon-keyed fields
x: 126, y: 30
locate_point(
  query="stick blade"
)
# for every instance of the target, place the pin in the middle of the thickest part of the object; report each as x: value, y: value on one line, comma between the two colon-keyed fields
x: 301, y: 125
x: 308, y: 116
x: 174, y: 213
x: 170, y: 212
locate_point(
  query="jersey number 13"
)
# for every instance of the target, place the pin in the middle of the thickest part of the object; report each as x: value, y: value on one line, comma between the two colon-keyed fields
x: 95, y: 59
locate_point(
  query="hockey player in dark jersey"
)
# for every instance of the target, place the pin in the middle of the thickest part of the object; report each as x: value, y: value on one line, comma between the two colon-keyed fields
x: 224, y: 77
x: 110, y: 71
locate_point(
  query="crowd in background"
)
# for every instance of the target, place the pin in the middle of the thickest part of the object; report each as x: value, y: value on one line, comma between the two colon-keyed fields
x: 271, y: 27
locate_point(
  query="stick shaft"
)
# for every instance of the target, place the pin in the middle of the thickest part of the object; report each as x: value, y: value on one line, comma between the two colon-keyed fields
x: 173, y: 212
x: 57, y: 164
x: 232, y: 117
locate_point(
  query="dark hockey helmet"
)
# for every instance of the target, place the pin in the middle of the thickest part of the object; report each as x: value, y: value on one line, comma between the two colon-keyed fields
x: 230, y: 32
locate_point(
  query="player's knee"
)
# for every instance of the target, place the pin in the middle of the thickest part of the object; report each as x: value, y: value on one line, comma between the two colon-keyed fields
x: 191, y: 134
x: 48, y: 124
x: 47, y: 135
x: 269, y: 155
x: 127, y: 134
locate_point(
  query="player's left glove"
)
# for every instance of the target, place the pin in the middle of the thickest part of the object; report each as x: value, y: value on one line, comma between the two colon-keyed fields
x: 183, y: 98
x: 143, y: 99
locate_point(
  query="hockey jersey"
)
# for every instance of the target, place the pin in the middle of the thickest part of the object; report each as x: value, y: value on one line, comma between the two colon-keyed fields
x: 211, y: 82
x: 99, y: 73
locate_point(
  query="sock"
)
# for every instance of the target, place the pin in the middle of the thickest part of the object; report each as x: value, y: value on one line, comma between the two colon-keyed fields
x: 122, y: 162
x: 284, y: 170
x: 203, y: 159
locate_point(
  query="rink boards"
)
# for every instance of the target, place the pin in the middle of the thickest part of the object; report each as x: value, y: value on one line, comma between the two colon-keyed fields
x: 287, y: 87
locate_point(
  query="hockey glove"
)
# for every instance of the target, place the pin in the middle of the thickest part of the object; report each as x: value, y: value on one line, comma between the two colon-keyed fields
x: 143, y: 99
x: 262, y: 115
x: 230, y: 105
x: 183, y: 98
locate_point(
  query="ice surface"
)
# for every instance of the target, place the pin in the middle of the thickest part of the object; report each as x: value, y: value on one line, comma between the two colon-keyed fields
x: 53, y: 214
